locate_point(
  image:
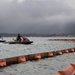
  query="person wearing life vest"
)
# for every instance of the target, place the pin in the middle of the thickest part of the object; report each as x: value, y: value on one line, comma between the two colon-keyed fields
x: 18, y: 37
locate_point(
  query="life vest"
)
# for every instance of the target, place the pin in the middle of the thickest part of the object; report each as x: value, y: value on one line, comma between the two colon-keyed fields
x: 24, y: 39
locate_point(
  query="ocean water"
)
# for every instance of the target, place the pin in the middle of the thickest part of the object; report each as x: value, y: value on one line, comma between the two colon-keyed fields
x: 45, y: 66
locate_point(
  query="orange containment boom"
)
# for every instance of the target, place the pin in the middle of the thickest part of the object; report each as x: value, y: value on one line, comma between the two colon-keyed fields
x: 70, y: 40
x: 36, y: 56
x: 70, y: 70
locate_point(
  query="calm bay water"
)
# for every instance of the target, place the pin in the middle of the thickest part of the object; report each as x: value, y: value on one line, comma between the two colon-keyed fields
x: 47, y: 66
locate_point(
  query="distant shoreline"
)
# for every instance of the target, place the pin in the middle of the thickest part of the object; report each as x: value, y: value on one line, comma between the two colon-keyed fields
x: 37, y: 35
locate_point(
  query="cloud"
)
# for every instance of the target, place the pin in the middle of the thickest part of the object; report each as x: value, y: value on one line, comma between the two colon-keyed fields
x: 39, y: 16
x: 20, y: 1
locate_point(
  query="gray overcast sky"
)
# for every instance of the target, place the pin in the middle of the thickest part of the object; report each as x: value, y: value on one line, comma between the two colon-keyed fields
x: 37, y: 16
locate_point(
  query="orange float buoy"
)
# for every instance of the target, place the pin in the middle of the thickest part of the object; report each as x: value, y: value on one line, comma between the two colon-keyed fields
x: 72, y: 50
x: 2, y: 62
x: 37, y: 56
x: 59, y: 52
x: 66, y: 51
x: 50, y: 54
x: 21, y: 59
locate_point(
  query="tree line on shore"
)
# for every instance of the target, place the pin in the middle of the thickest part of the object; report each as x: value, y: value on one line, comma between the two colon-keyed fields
x: 34, y: 34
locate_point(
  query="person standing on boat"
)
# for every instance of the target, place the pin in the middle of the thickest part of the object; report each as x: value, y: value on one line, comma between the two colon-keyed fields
x: 18, y: 37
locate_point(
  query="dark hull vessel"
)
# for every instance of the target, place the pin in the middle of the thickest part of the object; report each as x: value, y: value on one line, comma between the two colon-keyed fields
x: 2, y: 40
x: 15, y: 42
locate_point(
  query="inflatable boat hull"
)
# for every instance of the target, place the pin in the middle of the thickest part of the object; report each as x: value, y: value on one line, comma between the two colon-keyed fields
x: 29, y: 42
